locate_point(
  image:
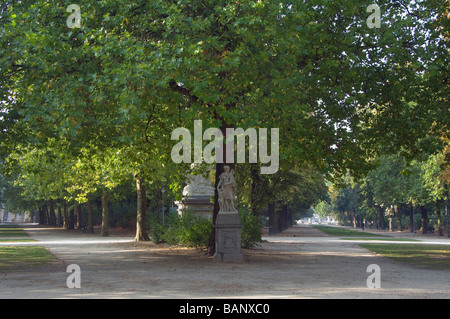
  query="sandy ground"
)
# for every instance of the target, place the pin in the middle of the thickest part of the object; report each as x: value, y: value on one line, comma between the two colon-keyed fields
x: 309, y: 265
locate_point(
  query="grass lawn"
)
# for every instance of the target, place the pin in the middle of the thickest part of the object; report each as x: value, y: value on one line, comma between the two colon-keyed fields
x: 17, y: 240
x: 12, y: 231
x: 13, y: 258
x: 428, y: 256
x: 342, y: 232
x: 20, y: 257
x: 381, y: 239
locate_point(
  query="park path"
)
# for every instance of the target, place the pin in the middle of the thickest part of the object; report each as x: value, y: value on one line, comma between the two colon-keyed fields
x: 309, y: 265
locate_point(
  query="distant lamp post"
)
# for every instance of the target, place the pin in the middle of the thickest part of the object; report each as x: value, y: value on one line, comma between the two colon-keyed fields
x: 163, y: 208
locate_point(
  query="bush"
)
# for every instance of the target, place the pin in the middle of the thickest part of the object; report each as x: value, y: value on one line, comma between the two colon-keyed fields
x: 192, y: 231
x: 251, y: 229
x: 188, y: 230
x: 156, y: 231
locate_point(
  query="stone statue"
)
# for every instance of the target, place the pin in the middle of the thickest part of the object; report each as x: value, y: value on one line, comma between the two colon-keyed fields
x: 227, y: 191
x: 198, y: 185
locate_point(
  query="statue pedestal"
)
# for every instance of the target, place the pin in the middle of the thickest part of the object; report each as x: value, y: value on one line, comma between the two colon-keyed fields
x: 199, y: 205
x: 228, y: 238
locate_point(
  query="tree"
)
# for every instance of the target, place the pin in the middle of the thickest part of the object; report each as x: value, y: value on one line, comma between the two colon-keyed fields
x: 348, y: 203
x: 432, y: 171
x: 292, y: 192
x: 133, y: 72
x: 390, y: 185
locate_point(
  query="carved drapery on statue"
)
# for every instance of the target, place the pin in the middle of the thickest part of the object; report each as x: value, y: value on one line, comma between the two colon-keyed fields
x: 227, y: 190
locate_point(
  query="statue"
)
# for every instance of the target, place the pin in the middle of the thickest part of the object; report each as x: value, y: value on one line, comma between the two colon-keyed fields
x: 198, y: 185
x: 228, y: 224
x: 227, y: 191
x: 197, y: 193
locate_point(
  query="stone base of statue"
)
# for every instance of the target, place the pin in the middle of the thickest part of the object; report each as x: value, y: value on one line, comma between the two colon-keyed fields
x: 228, y: 238
x: 198, y: 205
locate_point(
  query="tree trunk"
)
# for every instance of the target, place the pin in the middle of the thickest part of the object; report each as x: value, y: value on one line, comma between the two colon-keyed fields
x: 255, y: 185
x: 71, y: 221
x: 447, y: 213
x: 411, y: 217
x: 382, y: 222
x: 141, y: 220
x: 273, y: 222
x: 45, y: 212
x: 59, y: 216
x: 391, y: 228
x: 423, y: 212
x: 438, y: 214
x: 105, y: 214
x: 41, y: 215
x: 219, y: 170
x: 398, y: 218
x: 52, y: 215
x: 284, y: 218
x: 65, y: 221
x: 212, y: 241
x: 79, y: 217
x: 90, y: 227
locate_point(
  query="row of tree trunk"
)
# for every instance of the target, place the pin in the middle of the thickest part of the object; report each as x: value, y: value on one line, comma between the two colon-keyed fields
x: 395, y: 212
x: 66, y: 217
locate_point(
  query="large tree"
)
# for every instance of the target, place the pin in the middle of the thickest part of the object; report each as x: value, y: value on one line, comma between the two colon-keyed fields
x: 338, y: 90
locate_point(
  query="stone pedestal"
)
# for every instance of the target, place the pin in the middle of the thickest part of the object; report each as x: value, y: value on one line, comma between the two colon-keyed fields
x: 199, y: 205
x: 228, y: 238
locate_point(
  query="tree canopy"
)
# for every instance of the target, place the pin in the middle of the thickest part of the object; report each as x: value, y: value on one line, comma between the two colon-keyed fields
x: 80, y: 103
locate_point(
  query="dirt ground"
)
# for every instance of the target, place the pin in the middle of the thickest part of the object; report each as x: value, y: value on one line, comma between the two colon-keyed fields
x: 301, y: 263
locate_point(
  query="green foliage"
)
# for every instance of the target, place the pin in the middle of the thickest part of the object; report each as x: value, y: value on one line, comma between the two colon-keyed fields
x: 80, y: 108
x: 323, y: 209
x: 187, y: 230
x: 157, y: 231
x: 251, y: 229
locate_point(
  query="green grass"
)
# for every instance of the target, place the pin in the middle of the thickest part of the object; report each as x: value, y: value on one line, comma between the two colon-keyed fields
x: 12, y: 231
x: 20, y: 257
x: 381, y: 239
x: 342, y: 232
x: 17, y: 240
x: 427, y: 256
x: 14, y: 258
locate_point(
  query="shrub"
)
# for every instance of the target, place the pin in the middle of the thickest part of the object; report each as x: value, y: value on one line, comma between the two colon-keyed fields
x: 193, y: 231
x: 156, y: 230
x: 251, y: 229
x: 188, y: 230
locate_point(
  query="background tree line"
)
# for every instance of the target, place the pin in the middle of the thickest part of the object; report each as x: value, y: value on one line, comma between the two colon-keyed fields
x: 395, y: 195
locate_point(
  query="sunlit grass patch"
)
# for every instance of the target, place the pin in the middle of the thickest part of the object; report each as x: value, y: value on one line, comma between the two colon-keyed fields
x: 381, y: 239
x: 12, y: 231
x: 428, y: 256
x: 14, y: 258
x: 342, y: 232
x: 17, y: 240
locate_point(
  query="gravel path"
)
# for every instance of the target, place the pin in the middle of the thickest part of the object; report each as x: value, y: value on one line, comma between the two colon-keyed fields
x: 309, y: 265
